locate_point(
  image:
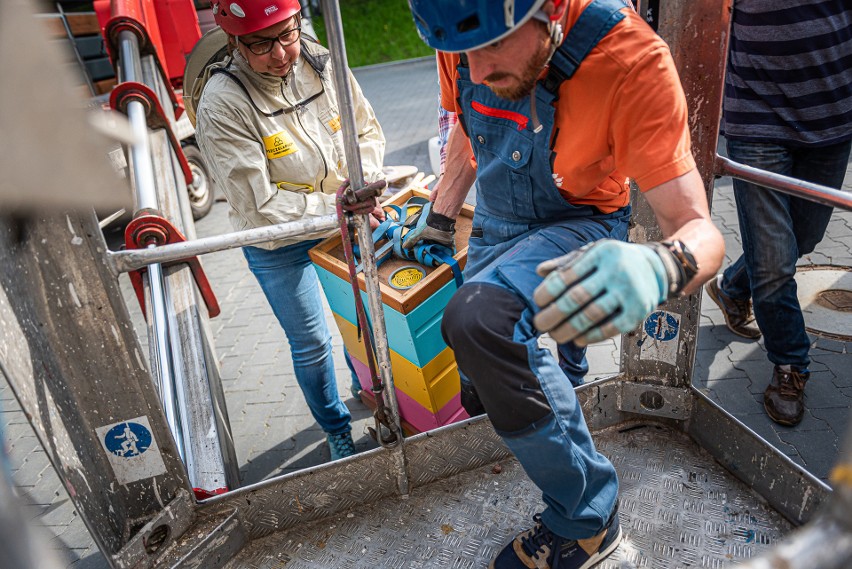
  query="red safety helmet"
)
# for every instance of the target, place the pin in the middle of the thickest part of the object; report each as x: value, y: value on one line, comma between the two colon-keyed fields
x: 243, y: 17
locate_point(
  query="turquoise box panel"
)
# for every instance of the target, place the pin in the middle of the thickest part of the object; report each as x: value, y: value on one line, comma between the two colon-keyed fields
x: 416, y: 336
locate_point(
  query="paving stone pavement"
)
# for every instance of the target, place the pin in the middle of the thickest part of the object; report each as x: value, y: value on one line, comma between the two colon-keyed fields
x: 275, y: 434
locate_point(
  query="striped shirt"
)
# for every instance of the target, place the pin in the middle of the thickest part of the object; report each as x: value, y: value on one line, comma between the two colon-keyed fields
x: 789, y: 77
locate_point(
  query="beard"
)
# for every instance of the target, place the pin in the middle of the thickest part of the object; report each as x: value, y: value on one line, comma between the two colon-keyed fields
x: 525, y: 83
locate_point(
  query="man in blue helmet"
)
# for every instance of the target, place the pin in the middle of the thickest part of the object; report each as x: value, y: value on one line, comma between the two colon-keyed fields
x: 551, y: 131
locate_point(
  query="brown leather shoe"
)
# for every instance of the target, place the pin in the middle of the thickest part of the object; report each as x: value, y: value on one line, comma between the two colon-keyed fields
x: 784, y: 398
x: 737, y: 313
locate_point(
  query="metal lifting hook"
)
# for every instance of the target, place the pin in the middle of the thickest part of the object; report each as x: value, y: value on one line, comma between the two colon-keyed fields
x: 388, y: 436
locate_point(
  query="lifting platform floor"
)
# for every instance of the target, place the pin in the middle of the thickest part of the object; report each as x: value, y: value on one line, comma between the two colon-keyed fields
x: 678, y: 508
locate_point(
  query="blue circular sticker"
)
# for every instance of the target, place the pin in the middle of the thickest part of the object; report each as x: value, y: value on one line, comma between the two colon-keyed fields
x: 661, y: 326
x: 128, y: 439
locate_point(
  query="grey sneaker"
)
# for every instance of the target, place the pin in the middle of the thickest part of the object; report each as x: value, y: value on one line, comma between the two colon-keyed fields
x: 737, y: 313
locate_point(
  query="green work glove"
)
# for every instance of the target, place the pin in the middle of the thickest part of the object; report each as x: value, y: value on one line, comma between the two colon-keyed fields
x: 601, y: 290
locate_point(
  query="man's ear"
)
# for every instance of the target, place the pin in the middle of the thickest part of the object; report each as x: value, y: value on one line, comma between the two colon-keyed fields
x: 555, y: 9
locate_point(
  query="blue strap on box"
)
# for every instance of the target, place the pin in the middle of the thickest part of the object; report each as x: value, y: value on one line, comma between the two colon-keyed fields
x: 393, y: 232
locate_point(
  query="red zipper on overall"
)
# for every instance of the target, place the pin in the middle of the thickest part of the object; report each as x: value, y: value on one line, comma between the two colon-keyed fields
x: 516, y: 118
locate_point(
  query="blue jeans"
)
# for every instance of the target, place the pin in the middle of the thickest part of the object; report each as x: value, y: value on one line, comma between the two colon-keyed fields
x: 778, y: 229
x: 291, y: 286
x: 489, y: 324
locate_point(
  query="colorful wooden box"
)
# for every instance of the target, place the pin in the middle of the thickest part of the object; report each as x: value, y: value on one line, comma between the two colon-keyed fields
x: 424, y: 368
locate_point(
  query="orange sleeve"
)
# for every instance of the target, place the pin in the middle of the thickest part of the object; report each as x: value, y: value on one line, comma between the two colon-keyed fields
x: 447, y: 74
x: 650, y: 124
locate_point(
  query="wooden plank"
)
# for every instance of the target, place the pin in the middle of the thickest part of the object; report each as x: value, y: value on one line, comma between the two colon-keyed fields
x: 104, y: 86
x: 53, y: 24
x: 81, y: 24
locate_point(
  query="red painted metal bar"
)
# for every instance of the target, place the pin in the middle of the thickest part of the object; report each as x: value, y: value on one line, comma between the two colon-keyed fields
x: 149, y: 228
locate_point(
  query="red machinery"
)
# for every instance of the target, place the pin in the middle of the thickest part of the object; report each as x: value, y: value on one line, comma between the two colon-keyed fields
x: 170, y: 28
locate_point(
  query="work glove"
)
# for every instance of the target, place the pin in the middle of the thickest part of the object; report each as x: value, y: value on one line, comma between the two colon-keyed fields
x: 603, y: 289
x: 363, y: 201
x: 437, y: 229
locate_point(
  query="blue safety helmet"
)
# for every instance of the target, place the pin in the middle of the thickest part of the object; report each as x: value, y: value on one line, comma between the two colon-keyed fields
x: 464, y: 25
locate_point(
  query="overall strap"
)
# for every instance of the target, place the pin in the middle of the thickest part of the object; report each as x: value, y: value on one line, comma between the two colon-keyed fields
x: 461, y: 117
x: 594, y: 23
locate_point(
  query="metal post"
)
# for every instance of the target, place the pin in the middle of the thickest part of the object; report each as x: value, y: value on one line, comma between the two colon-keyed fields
x: 139, y: 164
x: 182, y: 358
x: 141, y: 168
x: 334, y: 28
x: 160, y: 350
x: 663, y: 348
x: 70, y: 354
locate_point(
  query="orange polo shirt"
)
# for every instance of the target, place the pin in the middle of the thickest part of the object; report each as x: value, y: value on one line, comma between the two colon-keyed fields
x: 623, y: 115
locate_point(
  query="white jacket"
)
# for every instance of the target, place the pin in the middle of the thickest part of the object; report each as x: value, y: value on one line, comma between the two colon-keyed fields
x: 287, y: 167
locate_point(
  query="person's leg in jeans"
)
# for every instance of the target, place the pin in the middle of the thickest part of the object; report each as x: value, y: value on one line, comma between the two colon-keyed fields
x: 488, y: 323
x: 731, y: 292
x: 735, y: 280
x: 776, y: 230
x: 573, y: 362
x: 356, y: 383
x: 827, y: 166
x: 292, y: 288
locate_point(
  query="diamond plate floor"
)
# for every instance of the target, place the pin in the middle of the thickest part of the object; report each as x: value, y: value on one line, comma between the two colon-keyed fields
x: 679, y: 508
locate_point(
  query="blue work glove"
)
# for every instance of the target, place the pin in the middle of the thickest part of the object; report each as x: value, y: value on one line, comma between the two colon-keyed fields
x: 437, y: 228
x: 601, y: 290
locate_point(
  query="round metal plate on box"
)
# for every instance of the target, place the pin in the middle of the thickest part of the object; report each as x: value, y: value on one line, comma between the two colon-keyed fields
x: 406, y: 277
x: 825, y: 295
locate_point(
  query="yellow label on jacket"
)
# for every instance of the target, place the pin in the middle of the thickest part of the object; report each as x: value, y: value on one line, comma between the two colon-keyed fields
x: 278, y: 145
x: 334, y: 124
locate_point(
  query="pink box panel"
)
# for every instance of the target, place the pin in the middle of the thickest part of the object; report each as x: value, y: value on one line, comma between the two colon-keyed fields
x: 411, y: 411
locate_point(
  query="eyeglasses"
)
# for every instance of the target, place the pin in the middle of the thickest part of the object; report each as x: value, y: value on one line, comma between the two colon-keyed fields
x: 264, y: 46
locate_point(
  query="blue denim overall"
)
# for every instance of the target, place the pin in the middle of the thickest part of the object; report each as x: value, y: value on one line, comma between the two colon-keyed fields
x: 520, y: 220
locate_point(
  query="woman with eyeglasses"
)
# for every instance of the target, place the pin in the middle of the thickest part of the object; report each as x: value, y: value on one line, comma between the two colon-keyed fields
x: 269, y: 127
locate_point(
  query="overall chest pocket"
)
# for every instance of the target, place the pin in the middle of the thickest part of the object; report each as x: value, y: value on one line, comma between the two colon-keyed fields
x: 504, y: 157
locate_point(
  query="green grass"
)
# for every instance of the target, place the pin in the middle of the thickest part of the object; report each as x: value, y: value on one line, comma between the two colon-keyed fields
x: 376, y: 31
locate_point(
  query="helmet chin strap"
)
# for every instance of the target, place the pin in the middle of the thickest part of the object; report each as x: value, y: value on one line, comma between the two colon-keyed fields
x: 556, y: 33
